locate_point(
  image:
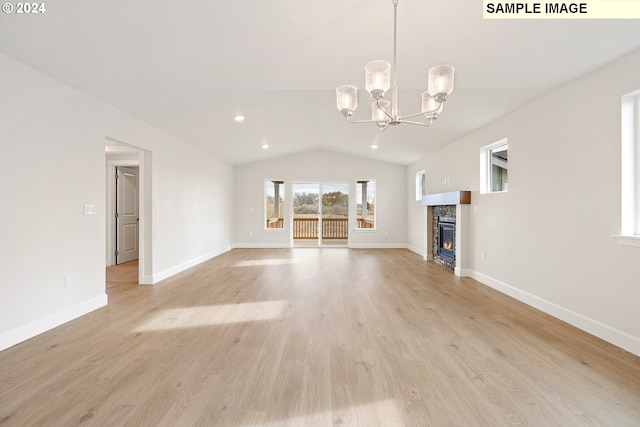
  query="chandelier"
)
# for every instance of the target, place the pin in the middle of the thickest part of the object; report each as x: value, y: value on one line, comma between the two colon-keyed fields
x: 380, y: 76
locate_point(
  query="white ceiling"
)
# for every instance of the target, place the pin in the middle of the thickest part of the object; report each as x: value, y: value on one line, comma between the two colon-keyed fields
x: 189, y: 67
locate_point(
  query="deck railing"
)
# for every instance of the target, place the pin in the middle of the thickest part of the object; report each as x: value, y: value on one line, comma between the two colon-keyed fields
x: 332, y: 228
x: 275, y: 223
x: 307, y: 228
x: 335, y: 228
x: 365, y: 223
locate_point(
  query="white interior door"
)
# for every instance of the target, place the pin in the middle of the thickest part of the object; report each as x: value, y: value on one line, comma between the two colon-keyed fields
x: 127, y: 214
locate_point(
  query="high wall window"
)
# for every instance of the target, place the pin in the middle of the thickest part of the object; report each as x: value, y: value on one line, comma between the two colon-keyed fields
x: 366, y: 204
x: 274, y: 203
x: 421, y: 185
x: 494, y: 169
x: 630, y: 185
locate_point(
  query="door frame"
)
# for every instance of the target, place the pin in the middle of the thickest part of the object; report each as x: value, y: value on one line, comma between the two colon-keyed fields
x: 292, y: 241
x: 143, y: 161
x: 320, y: 184
x: 111, y: 206
x: 348, y: 186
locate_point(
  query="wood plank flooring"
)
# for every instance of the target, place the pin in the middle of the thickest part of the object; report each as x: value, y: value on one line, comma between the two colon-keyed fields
x: 316, y: 337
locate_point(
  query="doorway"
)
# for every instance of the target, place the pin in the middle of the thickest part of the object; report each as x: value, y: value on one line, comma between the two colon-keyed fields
x: 120, y: 154
x: 320, y: 214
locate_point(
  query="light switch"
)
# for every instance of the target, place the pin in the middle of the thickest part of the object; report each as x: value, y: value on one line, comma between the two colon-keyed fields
x: 89, y: 209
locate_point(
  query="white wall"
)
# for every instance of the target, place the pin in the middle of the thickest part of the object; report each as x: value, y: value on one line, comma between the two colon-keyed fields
x: 192, y: 202
x: 320, y: 166
x: 53, y: 152
x: 548, y: 240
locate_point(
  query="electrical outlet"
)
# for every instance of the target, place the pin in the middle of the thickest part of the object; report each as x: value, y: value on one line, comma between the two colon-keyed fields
x: 68, y: 281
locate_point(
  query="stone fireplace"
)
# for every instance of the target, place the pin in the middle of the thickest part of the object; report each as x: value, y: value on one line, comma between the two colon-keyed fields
x: 443, y: 239
x: 446, y: 238
x: 447, y: 215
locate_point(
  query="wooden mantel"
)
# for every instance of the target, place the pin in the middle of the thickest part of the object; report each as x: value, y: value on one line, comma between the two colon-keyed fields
x: 450, y: 198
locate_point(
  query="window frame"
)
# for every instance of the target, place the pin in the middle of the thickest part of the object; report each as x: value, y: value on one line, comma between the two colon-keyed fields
x: 630, y: 170
x: 486, y: 169
x: 421, y: 185
x: 375, y: 213
x: 281, y: 193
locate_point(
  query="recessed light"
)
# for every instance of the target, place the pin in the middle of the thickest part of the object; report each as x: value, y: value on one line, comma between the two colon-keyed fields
x: 374, y: 146
x: 239, y: 118
x: 265, y: 146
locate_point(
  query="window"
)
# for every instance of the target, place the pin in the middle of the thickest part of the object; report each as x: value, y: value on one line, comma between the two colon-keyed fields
x: 366, y: 204
x: 421, y: 185
x: 630, y: 186
x: 494, y: 170
x: 274, y: 204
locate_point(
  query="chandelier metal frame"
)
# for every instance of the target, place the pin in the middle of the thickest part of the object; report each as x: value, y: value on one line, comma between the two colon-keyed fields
x: 384, y: 112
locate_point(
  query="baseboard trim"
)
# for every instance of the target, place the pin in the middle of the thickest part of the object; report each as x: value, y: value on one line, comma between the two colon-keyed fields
x: 30, y: 330
x: 463, y: 272
x: 261, y: 246
x: 417, y: 250
x: 352, y: 246
x: 378, y: 246
x: 157, y: 277
x: 146, y: 279
x: 612, y: 335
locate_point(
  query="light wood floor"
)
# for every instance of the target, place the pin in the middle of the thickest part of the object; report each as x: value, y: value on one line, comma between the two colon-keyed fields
x: 317, y: 337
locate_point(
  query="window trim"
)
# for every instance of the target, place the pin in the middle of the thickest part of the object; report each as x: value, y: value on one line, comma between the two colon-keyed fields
x: 485, y: 166
x: 282, y: 207
x: 627, y: 240
x: 630, y: 170
x: 421, y: 185
x: 375, y: 208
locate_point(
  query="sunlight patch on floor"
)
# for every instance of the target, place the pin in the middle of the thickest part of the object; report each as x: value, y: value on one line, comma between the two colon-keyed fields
x: 383, y: 413
x: 262, y: 262
x: 193, y: 317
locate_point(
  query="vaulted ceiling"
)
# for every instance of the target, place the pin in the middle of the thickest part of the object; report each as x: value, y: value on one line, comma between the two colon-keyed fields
x: 189, y: 67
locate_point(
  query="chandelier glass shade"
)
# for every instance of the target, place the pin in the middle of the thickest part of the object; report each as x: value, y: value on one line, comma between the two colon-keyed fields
x: 380, y: 77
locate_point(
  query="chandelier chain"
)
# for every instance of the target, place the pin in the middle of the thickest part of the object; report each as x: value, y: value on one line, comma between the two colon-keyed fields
x: 394, y: 89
